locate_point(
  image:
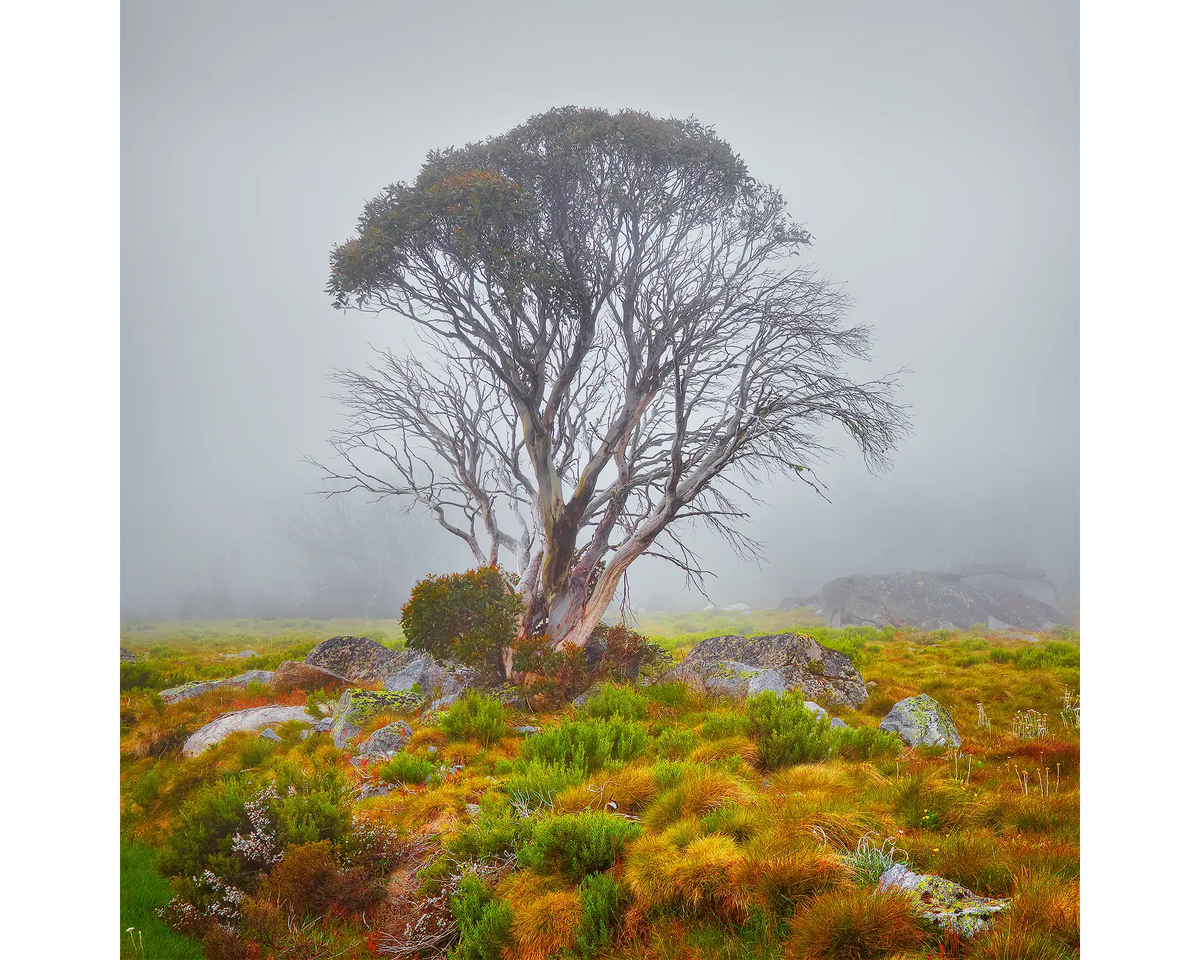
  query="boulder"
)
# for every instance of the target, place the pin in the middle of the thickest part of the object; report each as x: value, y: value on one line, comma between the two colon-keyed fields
x: 358, y: 659
x: 930, y: 601
x: 291, y: 675
x: 356, y: 707
x: 943, y: 901
x: 268, y: 734
x: 790, y: 661
x: 1011, y: 576
x: 447, y: 681
x: 387, y: 740
x: 795, y: 603
x: 836, y: 724
x: 921, y: 721
x: 128, y: 656
x: 240, y: 655
x: 250, y: 720
x: 733, y: 679
x: 188, y: 690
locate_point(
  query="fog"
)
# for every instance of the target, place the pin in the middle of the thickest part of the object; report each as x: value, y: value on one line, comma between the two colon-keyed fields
x: 931, y: 148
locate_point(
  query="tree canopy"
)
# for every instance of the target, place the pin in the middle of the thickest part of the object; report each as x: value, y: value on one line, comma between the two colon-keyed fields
x: 632, y: 302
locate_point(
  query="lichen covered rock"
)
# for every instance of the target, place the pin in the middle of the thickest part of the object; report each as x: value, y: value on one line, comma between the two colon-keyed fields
x: 249, y: 720
x: 388, y: 740
x: 196, y: 687
x: 356, y: 707
x: 780, y: 662
x: 943, y: 901
x: 358, y: 659
x: 921, y: 721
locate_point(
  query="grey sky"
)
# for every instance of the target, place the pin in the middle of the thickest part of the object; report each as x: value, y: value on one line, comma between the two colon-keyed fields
x: 932, y: 149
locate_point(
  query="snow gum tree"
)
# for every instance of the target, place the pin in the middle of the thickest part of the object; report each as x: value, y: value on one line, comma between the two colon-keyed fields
x: 635, y: 303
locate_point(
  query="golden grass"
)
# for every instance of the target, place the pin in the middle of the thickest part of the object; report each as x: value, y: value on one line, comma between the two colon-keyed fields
x: 544, y: 926
x: 704, y: 876
x: 726, y: 747
x: 855, y: 925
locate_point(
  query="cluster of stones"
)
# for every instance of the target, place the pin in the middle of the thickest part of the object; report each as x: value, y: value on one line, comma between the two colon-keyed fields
x: 409, y: 678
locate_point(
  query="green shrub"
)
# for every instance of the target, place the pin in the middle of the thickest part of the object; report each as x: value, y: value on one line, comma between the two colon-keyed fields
x: 495, y: 832
x: 470, y: 617
x: 476, y: 717
x: 1002, y: 656
x: 484, y: 922
x: 145, y: 790
x: 587, y: 744
x: 578, y: 844
x: 617, y: 701
x: 293, y: 808
x: 673, y: 695
x: 405, y: 768
x: 787, y: 732
x: 718, y: 726
x: 254, y: 750
x: 535, y: 782
x: 135, y: 676
x: 602, y: 902
x: 864, y: 743
x: 1047, y: 656
x: 674, y: 743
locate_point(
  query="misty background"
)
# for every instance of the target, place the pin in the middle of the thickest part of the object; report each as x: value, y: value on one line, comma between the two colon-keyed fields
x: 931, y: 149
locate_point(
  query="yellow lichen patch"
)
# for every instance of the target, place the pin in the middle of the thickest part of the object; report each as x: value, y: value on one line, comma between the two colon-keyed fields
x: 544, y: 926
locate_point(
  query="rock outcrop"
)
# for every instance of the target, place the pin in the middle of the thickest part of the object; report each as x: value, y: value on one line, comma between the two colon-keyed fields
x: 128, y: 656
x: 921, y: 721
x: 356, y: 707
x: 387, y: 741
x: 250, y: 720
x: 795, y: 603
x: 930, y: 601
x: 362, y: 660
x: 1010, y: 576
x: 718, y: 664
x: 943, y: 901
x: 188, y: 690
x: 291, y: 675
x: 358, y: 659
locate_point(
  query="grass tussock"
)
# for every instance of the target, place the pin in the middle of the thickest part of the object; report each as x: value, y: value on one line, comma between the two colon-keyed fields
x: 856, y: 925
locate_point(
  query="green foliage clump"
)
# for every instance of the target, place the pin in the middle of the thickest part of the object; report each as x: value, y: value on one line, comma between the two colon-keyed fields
x: 674, y: 695
x: 617, y: 701
x: 475, y: 717
x: 484, y: 922
x: 292, y: 808
x: 787, y: 732
x: 603, y: 901
x: 588, y: 744
x: 864, y: 743
x: 870, y: 860
x: 535, y: 782
x: 145, y: 790
x: 470, y: 617
x: 495, y: 832
x: 254, y: 750
x: 1047, y: 656
x: 405, y: 768
x: 674, y: 743
x: 718, y: 726
x: 578, y: 844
